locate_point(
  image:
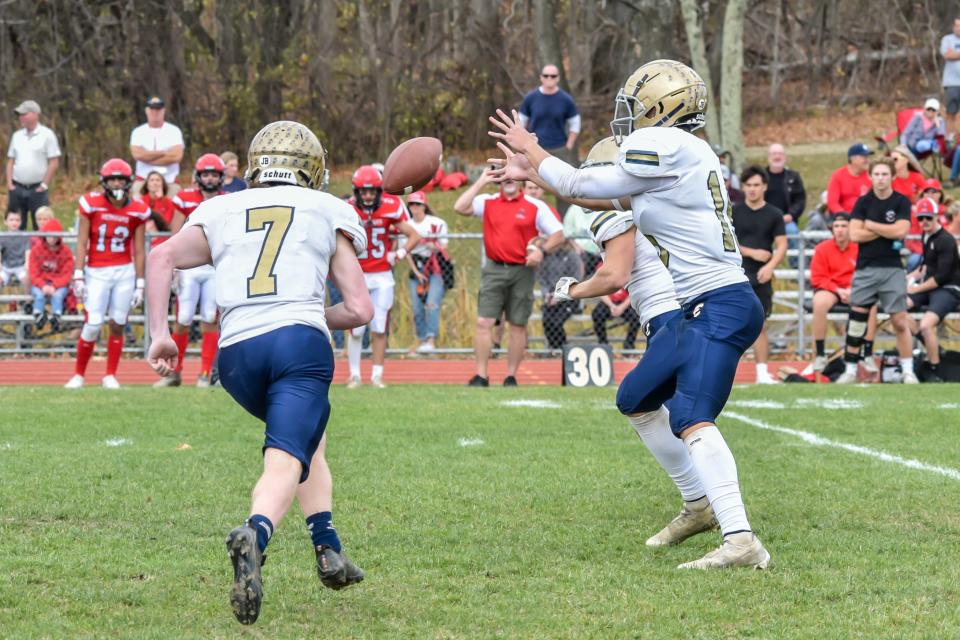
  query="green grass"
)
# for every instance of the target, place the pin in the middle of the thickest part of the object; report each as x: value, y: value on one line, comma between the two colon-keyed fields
x: 535, y: 533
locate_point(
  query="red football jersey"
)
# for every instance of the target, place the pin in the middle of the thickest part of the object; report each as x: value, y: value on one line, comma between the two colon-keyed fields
x: 379, y: 226
x: 187, y: 200
x: 111, y: 229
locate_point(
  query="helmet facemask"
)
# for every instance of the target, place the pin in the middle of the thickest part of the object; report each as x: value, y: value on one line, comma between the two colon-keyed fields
x: 209, y: 181
x: 118, y: 194
x: 624, y: 116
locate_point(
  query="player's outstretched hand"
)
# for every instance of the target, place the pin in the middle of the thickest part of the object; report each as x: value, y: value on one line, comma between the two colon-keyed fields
x: 512, y: 131
x: 162, y: 356
x: 513, y: 166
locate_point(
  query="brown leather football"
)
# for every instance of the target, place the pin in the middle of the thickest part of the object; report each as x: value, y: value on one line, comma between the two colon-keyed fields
x: 411, y: 165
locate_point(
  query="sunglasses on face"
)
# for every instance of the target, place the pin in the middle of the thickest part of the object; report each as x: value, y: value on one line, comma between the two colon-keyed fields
x: 923, y: 219
x: 549, y: 75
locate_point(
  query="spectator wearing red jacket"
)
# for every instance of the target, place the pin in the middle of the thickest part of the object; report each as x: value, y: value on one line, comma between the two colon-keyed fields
x: 907, y: 177
x: 850, y: 181
x: 831, y: 272
x: 51, y: 269
x: 161, y: 205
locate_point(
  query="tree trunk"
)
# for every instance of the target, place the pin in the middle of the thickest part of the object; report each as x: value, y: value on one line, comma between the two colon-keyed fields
x: 698, y: 56
x: 731, y: 134
x: 548, y: 39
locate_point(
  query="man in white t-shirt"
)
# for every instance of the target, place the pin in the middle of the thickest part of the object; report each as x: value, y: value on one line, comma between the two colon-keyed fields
x: 157, y: 146
x: 32, y: 159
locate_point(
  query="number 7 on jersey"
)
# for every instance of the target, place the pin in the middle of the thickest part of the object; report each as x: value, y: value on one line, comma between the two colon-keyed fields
x: 276, y: 220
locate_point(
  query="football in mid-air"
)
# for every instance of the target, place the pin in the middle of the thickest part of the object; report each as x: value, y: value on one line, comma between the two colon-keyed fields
x: 411, y: 165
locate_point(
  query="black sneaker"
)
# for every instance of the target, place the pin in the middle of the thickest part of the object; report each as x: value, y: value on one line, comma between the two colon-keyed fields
x: 246, y: 593
x: 510, y: 381
x: 40, y: 319
x: 55, y: 323
x: 478, y: 381
x: 335, y: 569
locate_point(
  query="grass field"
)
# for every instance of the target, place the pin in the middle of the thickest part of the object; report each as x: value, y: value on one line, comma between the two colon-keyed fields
x: 475, y: 519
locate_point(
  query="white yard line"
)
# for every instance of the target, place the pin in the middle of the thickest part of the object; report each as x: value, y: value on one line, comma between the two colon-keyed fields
x: 117, y: 442
x: 532, y: 404
x: 470, y: 442
x: 820, y: 441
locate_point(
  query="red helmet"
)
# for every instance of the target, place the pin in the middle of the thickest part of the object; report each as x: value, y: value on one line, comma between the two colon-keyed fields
x: 367, y: 177
x: 209, y: 162
x: 116, y: 168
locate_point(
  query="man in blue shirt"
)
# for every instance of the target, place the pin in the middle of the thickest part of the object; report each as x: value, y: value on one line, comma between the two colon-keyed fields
x: 551, y: 113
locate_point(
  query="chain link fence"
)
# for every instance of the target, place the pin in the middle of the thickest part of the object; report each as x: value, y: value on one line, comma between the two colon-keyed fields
x: 551, y: 326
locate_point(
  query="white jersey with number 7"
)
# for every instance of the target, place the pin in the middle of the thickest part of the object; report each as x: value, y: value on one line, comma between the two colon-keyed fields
x: 678, y: 200
x: 271, y: 249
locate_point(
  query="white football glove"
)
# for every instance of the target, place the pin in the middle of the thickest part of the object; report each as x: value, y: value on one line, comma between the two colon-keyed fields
x: 79, y: 287
x: 393, y: 256
x: 562, y: 290
x: 137, y: 299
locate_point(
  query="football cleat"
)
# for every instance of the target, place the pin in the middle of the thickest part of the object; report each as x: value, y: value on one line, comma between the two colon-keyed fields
x: 870, y: 365
x: 820, y: 363
x: 110, y: 382
x: 847, y: 377
x: 76, y: 382
x: 377, y: 382
x: 510, y: 381
x: 336, y: 571
x: 695, y: 517
x: 172, y: 380
x: 203, y: 381
x: 910, y: 378
x: 246, y: 594
x: 354, y: 382
x: 737, y: 550
x: 765, y: 378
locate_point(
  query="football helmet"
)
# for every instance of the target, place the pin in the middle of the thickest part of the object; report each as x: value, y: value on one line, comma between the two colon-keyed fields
x: 116, y: 168
x: 209, y: 162
x: 603, y: 154
x: 661, y: 93
x: 367, y: 177
x: 287, y: 152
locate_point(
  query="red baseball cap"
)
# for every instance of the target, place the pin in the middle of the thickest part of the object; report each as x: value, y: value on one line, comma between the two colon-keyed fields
x: 52, y: 225
x: 417, y: 197
x: 932, y: 184
x: 925, y: 207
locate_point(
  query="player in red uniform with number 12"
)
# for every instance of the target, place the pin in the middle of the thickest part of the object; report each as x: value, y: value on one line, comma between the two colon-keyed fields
x: 110, y: 259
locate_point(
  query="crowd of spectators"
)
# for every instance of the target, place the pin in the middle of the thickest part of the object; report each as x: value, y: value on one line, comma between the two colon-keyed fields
x: 529, y: 244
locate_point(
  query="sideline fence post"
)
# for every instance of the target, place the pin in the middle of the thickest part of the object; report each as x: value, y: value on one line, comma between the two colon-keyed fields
x: 801, y: 289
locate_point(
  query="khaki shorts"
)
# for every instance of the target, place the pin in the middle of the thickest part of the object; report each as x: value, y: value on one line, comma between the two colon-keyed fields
x: 886, y: 285
x: 506, y: 288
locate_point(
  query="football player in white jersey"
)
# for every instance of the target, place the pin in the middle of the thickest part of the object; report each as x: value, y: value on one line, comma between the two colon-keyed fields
x: 272, y: 248
x: 631, y: 261
x: 671, y: 181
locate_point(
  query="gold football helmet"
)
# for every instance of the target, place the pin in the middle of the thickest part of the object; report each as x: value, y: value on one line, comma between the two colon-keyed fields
x: 661, y: 93
x: 287, y: 152
x: 604, y: 153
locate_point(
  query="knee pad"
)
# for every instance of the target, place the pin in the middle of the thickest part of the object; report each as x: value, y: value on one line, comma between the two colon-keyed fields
x: 90, y: 331
x: 357, y: 332
x: 857, y: 327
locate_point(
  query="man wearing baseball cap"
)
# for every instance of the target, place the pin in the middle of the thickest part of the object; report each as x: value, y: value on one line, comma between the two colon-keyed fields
x: 32, y: 159
x: 935, y: 285
x: 158, y: 146
x: 925, y: 128
x: 850, y: 181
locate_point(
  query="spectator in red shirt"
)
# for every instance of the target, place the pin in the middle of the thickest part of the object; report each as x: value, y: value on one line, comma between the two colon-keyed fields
x: 161, y: 205
x: 831, y: 272
x: 51, y: 268
x: 616, y: 305
x: 907, y: 177
x: 850, y: 181
x: 512, y: 223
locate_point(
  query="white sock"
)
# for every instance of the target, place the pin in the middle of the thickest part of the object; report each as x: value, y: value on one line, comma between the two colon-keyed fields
x: 906, y: 365
x: 850, y: 367
x: 377, y: 371
x: 762, y: 370
x: 717, y: 469
x: 354, y: 347
x: 654, y: 429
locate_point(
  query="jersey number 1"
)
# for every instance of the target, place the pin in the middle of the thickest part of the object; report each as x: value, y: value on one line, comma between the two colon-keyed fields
x: 276, y: 220
x: 720, y: 206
